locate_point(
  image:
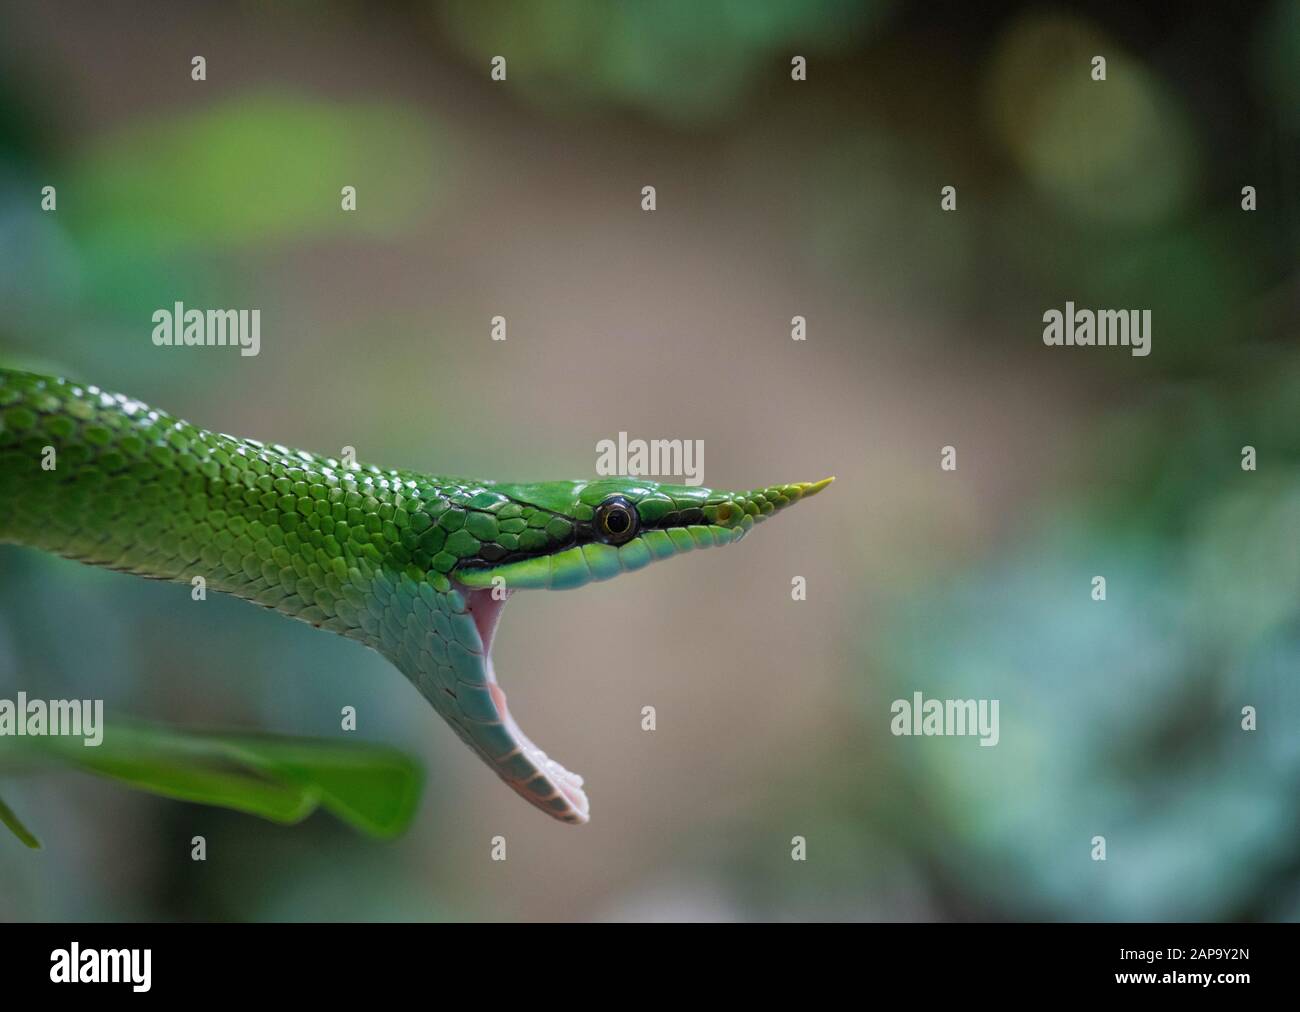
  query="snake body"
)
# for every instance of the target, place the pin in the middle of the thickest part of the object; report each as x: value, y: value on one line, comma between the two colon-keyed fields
x: 415, y: 566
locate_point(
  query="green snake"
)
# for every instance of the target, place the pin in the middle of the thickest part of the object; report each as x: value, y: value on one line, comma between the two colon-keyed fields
x: 415, y: 566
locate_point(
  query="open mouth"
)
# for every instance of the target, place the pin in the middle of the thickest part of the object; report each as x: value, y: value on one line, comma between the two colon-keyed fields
x: 658, y: 525
x: 527, y: 769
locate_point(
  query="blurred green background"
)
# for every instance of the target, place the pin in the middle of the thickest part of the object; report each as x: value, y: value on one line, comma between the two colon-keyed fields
x: 775, y: 198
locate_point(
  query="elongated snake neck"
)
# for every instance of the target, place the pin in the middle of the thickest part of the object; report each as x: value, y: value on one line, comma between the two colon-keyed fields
x: 107, y: 480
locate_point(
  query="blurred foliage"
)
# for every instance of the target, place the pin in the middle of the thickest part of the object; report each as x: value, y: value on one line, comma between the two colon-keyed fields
x: 679, y: 61
x: 1277, y: 60
x: 147, y: 212
x: 1122, y: 718
x: 258, y: 168
x: 1118, y: 152
x: 372, y: 788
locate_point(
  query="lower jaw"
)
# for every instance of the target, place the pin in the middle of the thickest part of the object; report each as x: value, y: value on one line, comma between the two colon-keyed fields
x: 486, y: 610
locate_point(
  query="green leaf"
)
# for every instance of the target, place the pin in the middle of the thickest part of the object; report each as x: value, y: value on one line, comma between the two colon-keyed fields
x: 373, y: 788
x: 16, y: 827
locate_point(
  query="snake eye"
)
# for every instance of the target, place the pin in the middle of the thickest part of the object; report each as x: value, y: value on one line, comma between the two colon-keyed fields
x: 616, y: 520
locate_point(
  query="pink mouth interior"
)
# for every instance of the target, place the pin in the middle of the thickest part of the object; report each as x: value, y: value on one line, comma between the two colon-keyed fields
x: 486, y: 610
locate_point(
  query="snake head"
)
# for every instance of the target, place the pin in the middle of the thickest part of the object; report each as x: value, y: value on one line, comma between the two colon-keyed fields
x: 558, y: 536
x: 568, y: 534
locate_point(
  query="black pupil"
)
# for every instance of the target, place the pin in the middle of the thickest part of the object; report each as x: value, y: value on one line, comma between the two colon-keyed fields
x: 616, y: 520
